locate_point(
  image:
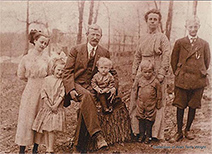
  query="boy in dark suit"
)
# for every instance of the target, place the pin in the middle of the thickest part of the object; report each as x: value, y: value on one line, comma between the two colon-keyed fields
x: 189, y: 60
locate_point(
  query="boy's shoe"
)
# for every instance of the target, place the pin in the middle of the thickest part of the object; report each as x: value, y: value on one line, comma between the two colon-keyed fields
x: 134, y: 138
x: 106, y: 111
x: 75, y: 150
x: 110, y: 109
x: 189, y: 135
x: 177, y: 137
x: 147, y: 140
x: 154, y: 139
x: 141, y: 138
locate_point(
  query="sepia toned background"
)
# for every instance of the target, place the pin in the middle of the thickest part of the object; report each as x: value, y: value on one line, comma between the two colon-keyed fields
x: 122, y: 23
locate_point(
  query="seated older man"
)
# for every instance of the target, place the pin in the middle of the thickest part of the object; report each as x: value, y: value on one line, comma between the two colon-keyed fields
x: 79, y: 70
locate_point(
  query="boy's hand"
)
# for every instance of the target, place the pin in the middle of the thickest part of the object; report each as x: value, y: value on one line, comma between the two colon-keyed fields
x: 106, y: 90
x: 54, y: 108
x: 160, y: 78
x: 100, y: 91
x: 112, y: 93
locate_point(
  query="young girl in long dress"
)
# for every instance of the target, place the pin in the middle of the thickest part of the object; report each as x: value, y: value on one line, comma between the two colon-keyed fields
x: 51, y: 117
x: 33, y: 68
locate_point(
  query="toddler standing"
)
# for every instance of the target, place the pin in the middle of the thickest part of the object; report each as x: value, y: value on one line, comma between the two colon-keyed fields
x: 148, y: 98
x: 51, y: 117
x: 103, y: 83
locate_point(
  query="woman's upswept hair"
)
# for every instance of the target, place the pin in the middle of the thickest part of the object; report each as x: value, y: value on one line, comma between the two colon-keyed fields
x: 155, y: 11
x: 35, y: 35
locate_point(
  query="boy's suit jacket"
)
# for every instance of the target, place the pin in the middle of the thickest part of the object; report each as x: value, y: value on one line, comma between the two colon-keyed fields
x: 190, y: 63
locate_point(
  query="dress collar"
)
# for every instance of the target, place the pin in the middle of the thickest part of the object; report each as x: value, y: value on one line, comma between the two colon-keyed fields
x: 153, y: 32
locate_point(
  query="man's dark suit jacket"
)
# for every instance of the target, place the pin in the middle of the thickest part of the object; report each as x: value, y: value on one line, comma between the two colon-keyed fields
x: 190, y: 63
x: 76, y: 65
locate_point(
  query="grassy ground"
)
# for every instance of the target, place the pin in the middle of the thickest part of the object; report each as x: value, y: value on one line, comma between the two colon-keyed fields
x: 11, y: 89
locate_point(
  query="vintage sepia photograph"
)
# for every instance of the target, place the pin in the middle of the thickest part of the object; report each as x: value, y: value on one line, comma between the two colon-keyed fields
x: 92, y: 76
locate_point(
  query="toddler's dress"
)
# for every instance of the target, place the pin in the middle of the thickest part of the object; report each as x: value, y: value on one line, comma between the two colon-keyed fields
x: 46, y: 120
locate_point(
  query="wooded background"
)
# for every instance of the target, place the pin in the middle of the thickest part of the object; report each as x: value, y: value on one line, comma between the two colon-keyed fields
x: 122, y: 22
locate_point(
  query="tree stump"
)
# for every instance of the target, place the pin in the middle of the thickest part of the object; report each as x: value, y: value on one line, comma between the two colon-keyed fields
x: 115, y: 126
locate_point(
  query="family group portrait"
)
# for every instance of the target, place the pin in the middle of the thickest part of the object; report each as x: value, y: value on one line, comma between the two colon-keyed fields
x: 105, y: 77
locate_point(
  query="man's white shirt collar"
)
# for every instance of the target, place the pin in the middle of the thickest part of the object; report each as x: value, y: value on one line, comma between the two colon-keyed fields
x: 191, y: 37
x: 90, y: 47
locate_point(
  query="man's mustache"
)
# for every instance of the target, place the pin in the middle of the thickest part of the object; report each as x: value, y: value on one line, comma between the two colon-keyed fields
x: 95, y: 40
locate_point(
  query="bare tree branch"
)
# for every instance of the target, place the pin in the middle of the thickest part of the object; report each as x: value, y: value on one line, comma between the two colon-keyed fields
x: 81, y: 5
x: 139, y: 23
x: 27, y: 28
x: 169, y: 19
x: 195, y: 7
x: 96, y: 12
x: 90, y: 18
x: 108, y: 17
x: 156, y: 6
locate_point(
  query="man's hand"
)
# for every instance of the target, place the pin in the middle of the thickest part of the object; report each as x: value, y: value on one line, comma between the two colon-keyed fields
x: 74, y: 95
x: 160, y: 78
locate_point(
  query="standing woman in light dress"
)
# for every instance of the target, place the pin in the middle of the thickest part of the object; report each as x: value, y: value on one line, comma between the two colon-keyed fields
x: 153, y: 46
x: 33, y: 68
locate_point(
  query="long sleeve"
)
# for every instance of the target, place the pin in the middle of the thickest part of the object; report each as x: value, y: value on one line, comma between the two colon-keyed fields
x: 166, y: 51
x: 43, y: 90
x: 94, y: 84
x: 133, y: 97
x: 62, y: 91
x: 111, y: 82
x: 207, y: 56
x: 137, y: 60
x: 175, y: 56
x: 61, y: 94
x: 68, y: 74
x: 159, y: 95
x: 21, y: 69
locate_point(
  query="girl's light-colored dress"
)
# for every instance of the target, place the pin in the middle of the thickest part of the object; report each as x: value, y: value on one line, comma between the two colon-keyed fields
x: 34, y: 68
x: 46, y: 120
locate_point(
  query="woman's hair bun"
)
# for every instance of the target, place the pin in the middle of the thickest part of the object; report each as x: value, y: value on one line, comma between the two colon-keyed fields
x: 32, y: 35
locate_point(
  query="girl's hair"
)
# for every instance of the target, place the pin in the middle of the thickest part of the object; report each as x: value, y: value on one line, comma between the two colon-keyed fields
x: 57, y: 61
x: 146, y: 64
x: 155, y: 11
x: 105, y: 61
x: 35, y: 35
